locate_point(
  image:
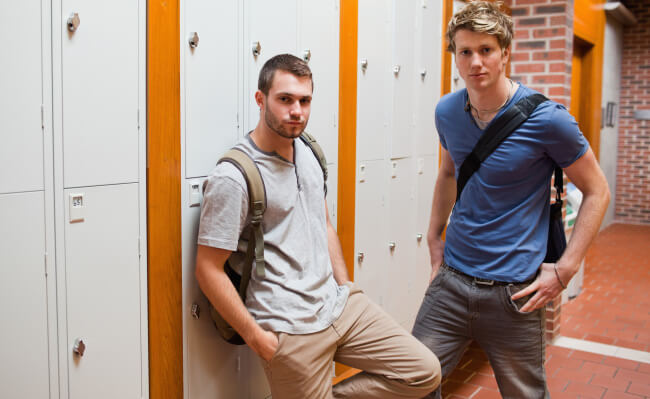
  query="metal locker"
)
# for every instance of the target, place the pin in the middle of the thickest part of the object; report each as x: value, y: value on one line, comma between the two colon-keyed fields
x: 403, y: 78
x: 100, y: 87
x: 371, y: 235
x: 318, y: 43
x: 373, y: 84
x: 24, y: 347
x: 426, y: 173
x: 400, y: 248
x: 21, y: 96
x: 253, y: 375
x: 263, y: 40
x: 427, y: 85
x: 210, y: 47
x: 102, y: 237
x: 212, y: 365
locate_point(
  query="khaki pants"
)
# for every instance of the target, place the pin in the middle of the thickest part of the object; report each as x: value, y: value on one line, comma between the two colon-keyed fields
x: 395, y: 364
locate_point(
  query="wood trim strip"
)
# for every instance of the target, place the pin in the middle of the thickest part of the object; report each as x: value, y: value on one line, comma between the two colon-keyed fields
x: 164, y: 200
x: 445, y: 83
x: 347, y: 129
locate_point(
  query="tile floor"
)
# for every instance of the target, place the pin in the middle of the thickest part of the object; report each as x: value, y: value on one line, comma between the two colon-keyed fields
x: 609, y: 322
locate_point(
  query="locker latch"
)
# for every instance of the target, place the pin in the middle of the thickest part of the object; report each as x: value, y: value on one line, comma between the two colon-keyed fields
x: 79, y: 347
x: 73, y: 22
x: 194, y: 40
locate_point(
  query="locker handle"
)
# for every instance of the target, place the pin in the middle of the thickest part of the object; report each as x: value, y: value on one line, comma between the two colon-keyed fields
x: 306, y: 55
x: 364, y: 64
x: 194, y: 40
x: 257, y: 48
x: 79, y: 347
x: 73, y: 22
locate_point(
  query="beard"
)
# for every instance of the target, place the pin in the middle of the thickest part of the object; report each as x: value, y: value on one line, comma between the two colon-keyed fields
x: 276, y: 125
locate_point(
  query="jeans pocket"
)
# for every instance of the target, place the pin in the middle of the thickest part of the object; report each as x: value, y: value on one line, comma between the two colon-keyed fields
x: 515, y: 305
x: 281, y: 337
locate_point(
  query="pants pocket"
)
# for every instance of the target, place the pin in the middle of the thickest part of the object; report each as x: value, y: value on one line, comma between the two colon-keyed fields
x: 515, y: 305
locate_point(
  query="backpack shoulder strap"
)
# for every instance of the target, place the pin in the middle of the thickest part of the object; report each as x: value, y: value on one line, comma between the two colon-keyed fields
x: 498, y: 131
x: 257, y: 206
x: 317, y: 150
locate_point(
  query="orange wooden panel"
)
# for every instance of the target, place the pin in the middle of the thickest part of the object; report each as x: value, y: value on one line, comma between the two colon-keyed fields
x: 347, y: 128
x: 164, y: 200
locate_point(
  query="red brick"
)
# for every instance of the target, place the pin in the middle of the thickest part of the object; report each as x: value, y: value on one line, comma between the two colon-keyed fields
x: 610, y: 383
x: 527, y: 68
x: 483, y: 381
x: 585, y: 390
x: 485, y: 393
x: 575, y: 375
x: 618, y: 395
x: 599, y: 369
x: 638, y: 388
x: 633, y: 376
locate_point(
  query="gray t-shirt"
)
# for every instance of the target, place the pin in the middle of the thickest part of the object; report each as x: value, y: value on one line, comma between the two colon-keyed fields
x: 298, y: 295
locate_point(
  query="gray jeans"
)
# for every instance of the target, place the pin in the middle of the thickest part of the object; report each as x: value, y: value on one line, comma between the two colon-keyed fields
x: 457, y: 310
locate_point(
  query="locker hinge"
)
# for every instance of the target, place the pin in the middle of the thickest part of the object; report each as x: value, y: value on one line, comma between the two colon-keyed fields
x: 237, y: 120
x: 138, y: 118
x: 139, y: 248
x: 45, y: 263
x: 42, y: 117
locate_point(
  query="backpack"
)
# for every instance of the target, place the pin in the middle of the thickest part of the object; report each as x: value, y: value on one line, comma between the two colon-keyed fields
x: 255, y: 243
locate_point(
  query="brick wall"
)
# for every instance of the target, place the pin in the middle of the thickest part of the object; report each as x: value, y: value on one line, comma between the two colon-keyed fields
x: 633, y: 169
x: 541, y: 59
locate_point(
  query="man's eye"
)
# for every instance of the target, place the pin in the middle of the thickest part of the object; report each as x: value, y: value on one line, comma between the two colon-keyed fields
x: 486, y: 50
x: 305, y: 101
x: 464, y: 52
x: 284, y: 99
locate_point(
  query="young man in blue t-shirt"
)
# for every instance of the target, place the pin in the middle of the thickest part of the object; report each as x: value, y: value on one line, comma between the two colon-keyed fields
x: 489, y: 282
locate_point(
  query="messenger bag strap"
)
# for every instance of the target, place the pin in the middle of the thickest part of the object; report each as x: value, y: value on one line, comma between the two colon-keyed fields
x: 498, y: 131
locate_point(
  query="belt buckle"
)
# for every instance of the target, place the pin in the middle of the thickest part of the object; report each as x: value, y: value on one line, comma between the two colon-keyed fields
x: 483, y: 281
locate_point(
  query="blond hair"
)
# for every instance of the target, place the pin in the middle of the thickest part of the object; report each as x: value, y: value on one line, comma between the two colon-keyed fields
x: 481, y: 17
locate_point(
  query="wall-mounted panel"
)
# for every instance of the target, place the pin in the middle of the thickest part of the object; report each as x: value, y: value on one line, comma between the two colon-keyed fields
x: 427, y: 84
x: 103, y: 292
x: 23, y: 294
x: 374, y: 87
x: 318, y: 42
x: 371, y: 235
x: 403, y: 115
x: 400, y: 248
x: 212, y: 365
x: 100, y: 88
x: 212, y: 70
x: 21, y: 81
x: 265, y: 31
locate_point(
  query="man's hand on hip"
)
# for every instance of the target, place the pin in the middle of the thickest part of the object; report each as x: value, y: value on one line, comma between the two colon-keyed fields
x: 546, y: 288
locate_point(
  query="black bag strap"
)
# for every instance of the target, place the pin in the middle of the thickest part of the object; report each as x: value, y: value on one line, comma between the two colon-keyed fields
x: 498, y: 131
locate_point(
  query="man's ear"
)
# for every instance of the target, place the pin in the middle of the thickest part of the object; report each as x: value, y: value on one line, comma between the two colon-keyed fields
x: 259, y: 98
x: 506, y: 54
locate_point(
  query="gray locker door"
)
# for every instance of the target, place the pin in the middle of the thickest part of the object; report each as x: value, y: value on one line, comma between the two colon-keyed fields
x: 401, y: 232
x: 211, y: 82
x: 100, y: 92
x: 318, y: 41
x: 23, y: 294
x: 403, y: 78
x: 427, y: 85
x: 427, y: 170
x: 373, y: 83
x: 103, y: 293
x: 212, y: 364
x: 274, y: 25
x: 371, y: 235
x: 21, y: 135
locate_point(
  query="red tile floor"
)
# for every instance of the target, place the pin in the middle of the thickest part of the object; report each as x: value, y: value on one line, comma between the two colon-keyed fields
x: 613, y: 308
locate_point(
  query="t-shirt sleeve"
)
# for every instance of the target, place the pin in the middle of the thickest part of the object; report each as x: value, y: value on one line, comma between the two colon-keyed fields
x: 223, y: 213
x: 443, y: 143
x: 564, y: 141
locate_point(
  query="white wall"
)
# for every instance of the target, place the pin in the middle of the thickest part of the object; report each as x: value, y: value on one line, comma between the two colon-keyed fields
x: 612, y: 60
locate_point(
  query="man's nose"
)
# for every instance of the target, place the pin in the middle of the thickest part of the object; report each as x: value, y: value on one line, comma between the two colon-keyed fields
x: 295, y: 110
x: 476, y: 60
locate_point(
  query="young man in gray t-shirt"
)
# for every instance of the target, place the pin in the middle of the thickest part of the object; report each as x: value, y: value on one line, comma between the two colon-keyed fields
x: 304, y: 312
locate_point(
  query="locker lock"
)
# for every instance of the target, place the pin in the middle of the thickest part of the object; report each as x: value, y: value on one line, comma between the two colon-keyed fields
x: 396, y: 69
x: 423, y: 73
x: 360, y: 257
x: 73, y: 22
x: 418, y: 237
x: 257, y: 48
x: 194, y: 40
x: 306, y: 55
x: 79, y: 347
x: 392, y: 245
x: 364, y: 64
x: 196, y: 310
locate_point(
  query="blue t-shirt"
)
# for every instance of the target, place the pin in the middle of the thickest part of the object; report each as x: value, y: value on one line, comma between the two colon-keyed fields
x: 499, y: 227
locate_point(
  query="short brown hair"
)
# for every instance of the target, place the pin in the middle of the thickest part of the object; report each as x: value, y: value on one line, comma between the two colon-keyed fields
x: 284, y: 62
x: 482, y: 17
